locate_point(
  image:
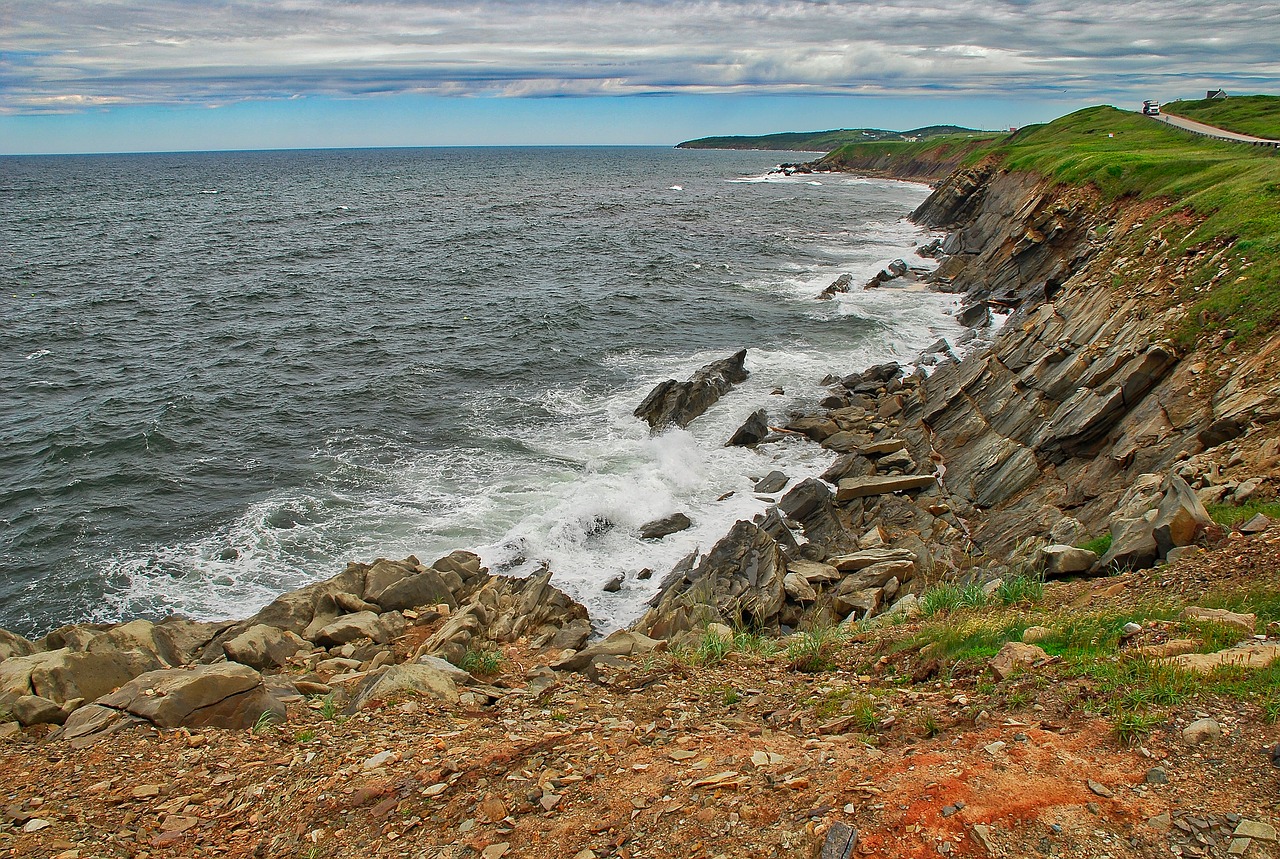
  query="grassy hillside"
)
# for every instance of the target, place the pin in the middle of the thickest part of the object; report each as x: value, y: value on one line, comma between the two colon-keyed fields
x: 1258, y: 115
x: 818, y: 141
x: 1235, y: 188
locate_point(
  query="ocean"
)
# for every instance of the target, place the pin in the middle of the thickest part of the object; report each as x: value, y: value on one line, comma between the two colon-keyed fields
x: 224, y: 375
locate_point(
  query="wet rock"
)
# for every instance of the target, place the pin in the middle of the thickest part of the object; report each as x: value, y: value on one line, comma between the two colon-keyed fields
x: 264, y: 647
x: 614, y: 584
x: 843, y: 283
x: 679, y: 403
x: 752, y: 432
x: 659, y: 528
x: 774, y: 481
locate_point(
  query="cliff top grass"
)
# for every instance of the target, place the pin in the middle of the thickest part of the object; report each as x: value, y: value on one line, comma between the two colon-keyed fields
x: 1233, y: 188
x: 1258, y: 115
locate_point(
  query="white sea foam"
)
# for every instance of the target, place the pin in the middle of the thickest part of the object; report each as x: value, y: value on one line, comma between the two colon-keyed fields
x: 39, y: 353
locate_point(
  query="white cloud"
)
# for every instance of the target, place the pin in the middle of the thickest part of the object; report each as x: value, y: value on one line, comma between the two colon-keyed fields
x: 105, y: 52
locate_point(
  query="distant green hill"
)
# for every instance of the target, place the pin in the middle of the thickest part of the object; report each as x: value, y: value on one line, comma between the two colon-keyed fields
x: 821, y: 141
x: 1258, y: 115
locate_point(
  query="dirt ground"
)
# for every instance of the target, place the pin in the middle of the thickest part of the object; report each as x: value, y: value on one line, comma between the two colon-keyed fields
x: 744, y: 758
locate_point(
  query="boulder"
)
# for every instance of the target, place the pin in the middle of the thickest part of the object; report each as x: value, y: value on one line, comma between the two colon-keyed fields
x: 622, y: 642
x: 864, y: 558
x: 384, y: 573
x: 848, y: 465
x: 1062, y: 560
x: 426, y: 677
x: 774, y: 481
x: 34, y: 710
x: 62, y: 675
x: 816, y: 427
x: 798, y: 588
x: 263, y: 647
x: 227, y: 695
x: 1180, y: 517
x: 811, y: 504
x: 679, y: 403
x: 12, y: 644
x: 752, y: 432
x: 1202, y: 730
x: 1014, y: 656
x: 813, y: 571
x: 852, y: 488
x: 425, y: 588
x: 1133, y: 544
x: 659, y: 528
x: 365, y: 624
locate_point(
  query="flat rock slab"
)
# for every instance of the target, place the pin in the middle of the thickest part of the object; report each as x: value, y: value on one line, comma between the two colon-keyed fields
x: 862, y: 487
x: 1246, y: 623
x: 855, y: 561
x: 1249, y: 656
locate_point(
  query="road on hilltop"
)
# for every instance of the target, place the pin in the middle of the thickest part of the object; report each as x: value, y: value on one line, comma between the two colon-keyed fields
x: 1211, y: 131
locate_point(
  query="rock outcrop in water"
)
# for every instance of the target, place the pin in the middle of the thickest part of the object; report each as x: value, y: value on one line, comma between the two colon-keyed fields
x: 673, y: 403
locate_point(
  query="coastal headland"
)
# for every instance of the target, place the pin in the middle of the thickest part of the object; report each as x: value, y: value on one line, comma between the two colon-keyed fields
x: 1031, y: 609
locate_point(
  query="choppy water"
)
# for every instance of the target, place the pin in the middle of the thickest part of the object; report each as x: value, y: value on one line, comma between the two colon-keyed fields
x: 224, y: 375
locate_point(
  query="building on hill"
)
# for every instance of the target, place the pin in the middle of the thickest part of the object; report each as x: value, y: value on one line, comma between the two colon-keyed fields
x: 1216, y: 93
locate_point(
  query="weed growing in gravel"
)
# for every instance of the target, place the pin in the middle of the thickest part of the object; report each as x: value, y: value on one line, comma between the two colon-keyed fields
x: 304, y: 736
x: 329, y: 708
x: 1020, y: 589
x: 1133, y: 728
x: 812, y: 652
x: 755, y: 643
x: 731, y: 697
x: 929, y: 726
x: 863, y: 711
x: 712, y: 648
x: 267, y: 723
x: 482, y: 662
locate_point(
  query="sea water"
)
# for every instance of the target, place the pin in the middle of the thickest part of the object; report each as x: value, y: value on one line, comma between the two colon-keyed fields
x: 224, y: 375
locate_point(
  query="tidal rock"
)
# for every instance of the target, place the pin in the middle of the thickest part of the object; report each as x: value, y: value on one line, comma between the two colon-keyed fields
x: 659, y: 528
x: 614, y: 584
x: 679, y: 403
x: 774, y: 481
x: 1066, y: 560
x: 752, y: 432
x: 843, y: 283
x: 264, y: 647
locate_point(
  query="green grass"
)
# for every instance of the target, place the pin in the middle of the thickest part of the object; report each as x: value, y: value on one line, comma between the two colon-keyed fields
x: 1020, y: 589
x: 813, y: 652
x: 1232, y: 514
x: 1098, y: 545
x: 304, y: 736
x: 1233, y: 189
x: 483, y: 663
x: 821, y: 141
x: 1258, y: 115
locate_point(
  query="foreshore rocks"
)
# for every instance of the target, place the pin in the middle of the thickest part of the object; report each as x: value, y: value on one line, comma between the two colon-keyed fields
x: 673, y: 403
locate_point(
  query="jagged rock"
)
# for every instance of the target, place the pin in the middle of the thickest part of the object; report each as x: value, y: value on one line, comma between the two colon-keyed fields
x: 873, y: 378
x: 841, y: 284
x: 976, y: 315
x: 814, y: 572
x: 798, y: 588
x: 1180, y: 517
x: 34, y: 710
x: 1061, y: 560
x: 862, y: 487
x: 1255, y: 525
x: 12, y: 644
x: 228, y: 695
x: 739, y: 580
x: 619, y: 643
x: 816, y: 427
x: 774, y: 481
x: 659, y: 528
x: 383, y: 573
x: 679, y: 403
x: 426, y: 677
x: 1133, y: 544
x: 61, y: 675
x: 810, y: 503
x: 379, y: 628
x: 848, y: 465
x: 420, y: 589
x: 614, y: 584
x: 772, y: 523
x: 263, y: 647
x: 864, y: 558
x: 875, y: 538
x: 1015, y: 655
x: 752, y: 432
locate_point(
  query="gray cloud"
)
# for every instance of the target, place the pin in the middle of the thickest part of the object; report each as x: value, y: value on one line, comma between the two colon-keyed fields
x: 68, y: 55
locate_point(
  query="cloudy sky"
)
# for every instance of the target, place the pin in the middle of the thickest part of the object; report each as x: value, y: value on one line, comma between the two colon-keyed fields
x: 103, y: 75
